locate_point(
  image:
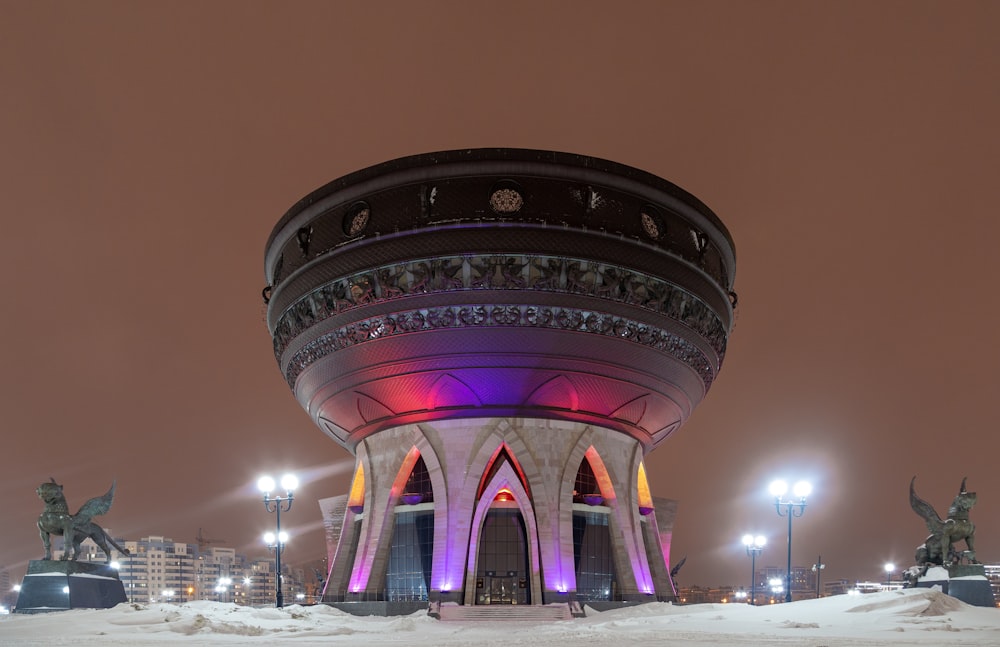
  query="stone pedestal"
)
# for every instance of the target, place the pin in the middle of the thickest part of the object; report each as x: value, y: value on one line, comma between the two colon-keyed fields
x: 967, y: 582
x: 52, y: 585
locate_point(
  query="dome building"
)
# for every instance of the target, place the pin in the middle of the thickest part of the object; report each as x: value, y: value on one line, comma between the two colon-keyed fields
x: 499, y: 336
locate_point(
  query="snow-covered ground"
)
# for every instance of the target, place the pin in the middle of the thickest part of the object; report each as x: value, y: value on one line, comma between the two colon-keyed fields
x: 908, y: 617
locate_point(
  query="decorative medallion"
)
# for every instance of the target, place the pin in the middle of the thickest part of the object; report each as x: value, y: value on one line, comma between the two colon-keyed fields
x: 356, y: 218
x: 506, y: 198
x: 652, y: 223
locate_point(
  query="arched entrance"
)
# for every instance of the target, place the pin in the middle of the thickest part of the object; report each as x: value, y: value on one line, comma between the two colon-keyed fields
x: 502, y: 571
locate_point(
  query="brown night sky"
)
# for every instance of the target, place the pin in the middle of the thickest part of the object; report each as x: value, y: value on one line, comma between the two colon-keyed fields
x: 851, y: 148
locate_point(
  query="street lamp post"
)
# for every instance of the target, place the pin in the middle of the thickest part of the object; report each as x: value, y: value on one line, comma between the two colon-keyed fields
x: 754, y: 546
x: 131, y: 579
x: 274, y: 504
x: 794, y: 507
x: 889, y: 568
x: 247, y: 591
x: 818, y: 569
x: 276, y: 544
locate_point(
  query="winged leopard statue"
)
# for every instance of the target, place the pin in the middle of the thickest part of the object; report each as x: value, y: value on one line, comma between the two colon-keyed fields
x: 939, y: 549
x: 56, y: 520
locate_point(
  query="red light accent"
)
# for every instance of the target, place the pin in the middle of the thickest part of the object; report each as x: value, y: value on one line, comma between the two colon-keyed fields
x: 403, y: 475
x: 503, y: 451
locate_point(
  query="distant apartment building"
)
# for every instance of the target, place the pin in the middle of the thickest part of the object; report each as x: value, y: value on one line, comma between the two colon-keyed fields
x: 158, y: 569
x: 837, y: 587
x: 993, y: 575
x: 7, y: 593
x: 769, y: 584
x: 706, y: 595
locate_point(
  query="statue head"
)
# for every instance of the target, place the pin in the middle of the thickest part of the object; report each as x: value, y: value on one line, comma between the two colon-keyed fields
x: 965, y: 499
x: 50, y: 492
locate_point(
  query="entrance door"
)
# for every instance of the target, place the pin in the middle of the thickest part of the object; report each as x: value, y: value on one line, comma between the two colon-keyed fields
x: 503, y: 559
x: 503, y: 590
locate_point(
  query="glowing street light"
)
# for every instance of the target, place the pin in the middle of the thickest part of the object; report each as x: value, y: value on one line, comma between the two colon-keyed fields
x: 273, y: 540
x: 222, y: 588
x: 754, y: 546
x: 889, y: 569
x: 793, y: 507
x: 274, y: 504
x: 776, y: 587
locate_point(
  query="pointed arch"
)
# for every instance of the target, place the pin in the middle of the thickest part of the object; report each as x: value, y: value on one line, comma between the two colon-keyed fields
x: 501, y: 455
x: 418, y: 487
x: 633, y: 410
x: 354, y: 576
x: 371, y: 409
x: 443, y: 558
x: 334, y: 431
x: 408, y: 551
x: 372, y: 540
x: 630, y: 558
x: 403, y: 476
x: 504, y: 478
x: 596, y: 574
x: 343, y: 556
x: 600, y: 471
x: 449, y: 391
x: 558, y: 393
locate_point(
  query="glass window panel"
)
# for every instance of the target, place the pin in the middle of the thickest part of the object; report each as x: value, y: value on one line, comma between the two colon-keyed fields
x: 593, y: 557
x: 410, y: 557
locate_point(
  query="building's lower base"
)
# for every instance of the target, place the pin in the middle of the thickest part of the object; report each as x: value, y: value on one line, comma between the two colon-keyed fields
x: 454, y: 611
x: 506, y: 612
x: 380, y: 607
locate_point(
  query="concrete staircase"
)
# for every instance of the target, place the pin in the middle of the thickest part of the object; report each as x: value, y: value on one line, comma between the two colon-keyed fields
x: 505, y: 613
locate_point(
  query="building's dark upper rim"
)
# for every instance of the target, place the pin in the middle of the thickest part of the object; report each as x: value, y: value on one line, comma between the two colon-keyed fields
x: 507, y: 155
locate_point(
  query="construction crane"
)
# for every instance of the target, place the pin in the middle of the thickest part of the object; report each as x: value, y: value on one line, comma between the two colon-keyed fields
x: 205, y: 541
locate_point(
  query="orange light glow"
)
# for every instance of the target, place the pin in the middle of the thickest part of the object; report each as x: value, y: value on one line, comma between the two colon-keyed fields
x: 645, y: 498
x: 600, y: 473
x: 504, y: 495
x: 357, y: 497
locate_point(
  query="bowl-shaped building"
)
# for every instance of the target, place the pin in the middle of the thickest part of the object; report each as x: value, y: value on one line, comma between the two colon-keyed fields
x: 499, y: 336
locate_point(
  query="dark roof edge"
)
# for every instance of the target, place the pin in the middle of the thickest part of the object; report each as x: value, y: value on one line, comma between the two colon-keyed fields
x: 501, y: 154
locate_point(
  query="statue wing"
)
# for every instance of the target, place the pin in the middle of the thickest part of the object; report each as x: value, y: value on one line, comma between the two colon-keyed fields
x: 97, y: 506
x: 925, y: 510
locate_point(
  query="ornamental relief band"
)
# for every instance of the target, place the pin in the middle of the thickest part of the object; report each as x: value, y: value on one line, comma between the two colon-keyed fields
x: 500, y: 272
x: 501, y: 315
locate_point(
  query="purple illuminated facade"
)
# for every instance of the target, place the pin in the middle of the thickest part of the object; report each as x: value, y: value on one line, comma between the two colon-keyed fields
x: 499, y: 336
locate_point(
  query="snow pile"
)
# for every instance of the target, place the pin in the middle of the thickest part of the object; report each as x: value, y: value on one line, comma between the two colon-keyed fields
x: 920, y: 602
x: 910, y: 617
